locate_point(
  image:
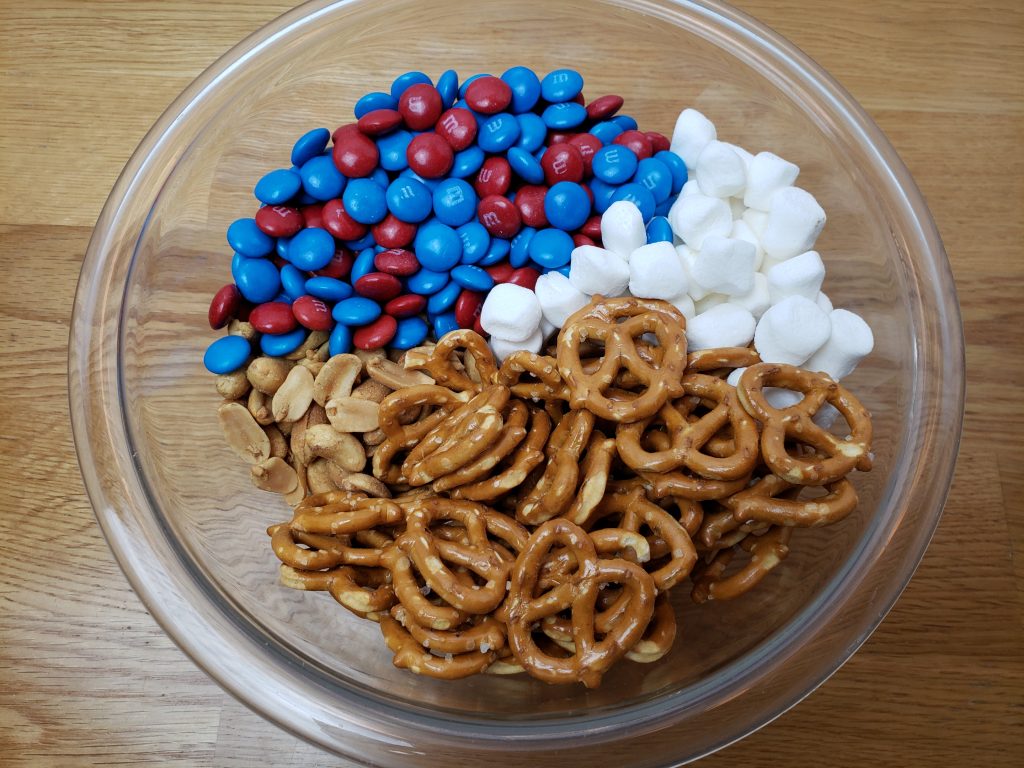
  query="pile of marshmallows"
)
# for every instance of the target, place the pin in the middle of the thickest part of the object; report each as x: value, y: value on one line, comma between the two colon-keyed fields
x: 740, y: 266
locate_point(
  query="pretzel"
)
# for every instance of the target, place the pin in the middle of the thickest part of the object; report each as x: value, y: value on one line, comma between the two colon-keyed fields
x: 527, y: 457
x: 766, y: 552
x: 590, y: 658
x: 617, y: 323
x: 402, y: 436
x: 513, y: 432
x: 796, y: 423
x: 660, y: 633
x: 409, y: 654
x: 366, y: 592
x: 595, y: 469
x: 721, y: 359
x: 457, y: 440
x: 480, y: 633
x: 554, y: 490
x: 685, y: 484
x: 478, y: 556
x: 322, y: 552
x: 442, y: 364
x: 343, y: 512
x: 631, y: 511
x: 688, y: 438
x: 547, y: 384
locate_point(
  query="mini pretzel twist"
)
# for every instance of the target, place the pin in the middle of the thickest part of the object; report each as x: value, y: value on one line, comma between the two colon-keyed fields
x: 721, y: 360
x: 766, y: 552
x: 617, y: 323
x: 840, y: 456
x: 590, y: 657
x: 457, y: 440
x: 401, y: 436
x: 688, y: 438
x: 443, y: 365
x: 411, y: 655
x: 513, y: 432
x: 366, y: 592
x: 555, y: 488
x: 548, y: 384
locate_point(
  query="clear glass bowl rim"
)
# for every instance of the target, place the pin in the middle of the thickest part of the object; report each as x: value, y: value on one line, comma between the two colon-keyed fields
x: 172, y: 595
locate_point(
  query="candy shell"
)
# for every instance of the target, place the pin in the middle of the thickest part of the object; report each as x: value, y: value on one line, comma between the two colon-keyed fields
x: 448, y: 87
x: 355, y: 155
x: 339, y: 266
x: 457, y: 127
x: 363, y: 265
x: 565, y: 115
x: 444, y: 299
x: 443, y: 324
x: 379, y: 286
x: 356, y: 311
x: 561, y: 85
x: 525, y: 87
x: 420, y: 106
x: 328, y: 288
x: 224, y: 305
x: 409, y: 332
x: 227, y: 354
x: 257, y: 279
x: 636, y: 141
x: 427, y: 282
x: 476, y: 241
x: 278, y: 344
x: 467, y: 308
x: 454, y: 203
x: 550, y: 248
x: 339, y: 223
x: 312, y: 313
x: 472, y: 278
x: 311, y: 249
x: 246, y: 238
x: 372, y: 101
x: 273, y: 317
x: 429, y: 155
x: 604, y: 107
x: 406, y: 305
x: 278, y: 220
x: 488, y: 95
x: 293, y: 282
x: 397, y: 261
x: 499, y: 216
x: 530, y: 202
x: 525, y: 165
x: 404, y: 81
x: 498, y: 133
x: 365, y: 201
x: 309, y: 146
x: 321, y: 178
x: 377, y: 334
x: 563, y: 162
x: 567, y: 205
x: 525, y: 277
x: 340, y: 340
x: 278, y: 186
x: 532, y: 131
x: 392, y: 232
x: 379, y: 122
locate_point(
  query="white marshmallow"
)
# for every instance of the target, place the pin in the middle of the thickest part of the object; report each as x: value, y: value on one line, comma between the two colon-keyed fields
x: 826, y: 416
x: 655, y: 272
x: 757, y: 221
x: 794, y: 222
x: 768, y: 263
x: 691, y: 134
x: 850, y: 342
x: 548, y: 329
x: 757, y: 300
x: 720, y: 171
x: 745, y: 156
x: 502, y: 348
x: 594, y: 270
x: 622, y: 228
x: 687, y: 257
x: 742, y: 231
x: 724, y: 265
x: 825, y: 303
x: 511, y: 312
x: 737, y: 207
x: 776, y: 396
x: 691, y: 187
x: 725, y: 325
x: 709, y: 301
x: 685, y: 306
x: 694, y: 217
x: 766, y: 175
x: 791, y: 331
x: 800, y: 276
x: 558, y: 298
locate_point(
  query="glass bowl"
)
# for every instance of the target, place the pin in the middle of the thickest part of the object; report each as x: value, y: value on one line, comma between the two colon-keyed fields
x: 188, y: 528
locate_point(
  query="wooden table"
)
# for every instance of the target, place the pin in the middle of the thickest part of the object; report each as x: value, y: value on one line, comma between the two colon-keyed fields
x: 86, y: 676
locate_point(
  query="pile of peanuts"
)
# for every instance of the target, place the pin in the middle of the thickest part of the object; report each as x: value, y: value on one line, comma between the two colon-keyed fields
x: 534, y: 516
x: 308, y: 423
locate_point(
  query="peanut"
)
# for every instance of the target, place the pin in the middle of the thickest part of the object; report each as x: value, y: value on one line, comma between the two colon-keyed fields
x: 353, y: 414
x: 245, y: 437
x: 294, y: 396
x: 336, y: 378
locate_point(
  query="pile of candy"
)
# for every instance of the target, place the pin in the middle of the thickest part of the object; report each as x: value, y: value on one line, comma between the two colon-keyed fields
x: 395, y: 227
x: 534, y: 517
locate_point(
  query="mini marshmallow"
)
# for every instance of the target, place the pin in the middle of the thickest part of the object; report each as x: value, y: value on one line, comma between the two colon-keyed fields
x: 547, y: 329
x: 594, y: 270
x: 558, y: 297
x: 685, y: 306
x: 791, y: 331
x: 691, y: 134
x: 825, y: 303
x: 724, y: 265
x: 758, y: 299
x: 655, y: 272
x: 745, y: 156
x: 724, y: 325
x: 691, y: 187
x: 757, y: 221
x: 800, y: 276
x: 737, y: 207
x: 850, y: 342
x: 742, y: 231
x: 766, y: 175
x: 777, y: 397
x: 720, y: 171
x: 826, y: 416
x: 794, y: 222
x: 622, y: 228
x: 687, y: 257
x: 502, y: 348
x: 694, y: 217
x: 709, y: 301
x: 511, y: 312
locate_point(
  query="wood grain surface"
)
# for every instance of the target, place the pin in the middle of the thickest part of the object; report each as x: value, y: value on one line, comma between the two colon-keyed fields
x: 87, y: 677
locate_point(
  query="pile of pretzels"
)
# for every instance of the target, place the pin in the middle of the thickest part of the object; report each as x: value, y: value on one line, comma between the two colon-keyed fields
x: 540, y: 513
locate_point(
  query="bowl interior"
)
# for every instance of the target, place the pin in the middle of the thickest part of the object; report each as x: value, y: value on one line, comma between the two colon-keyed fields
x: 661, y: 58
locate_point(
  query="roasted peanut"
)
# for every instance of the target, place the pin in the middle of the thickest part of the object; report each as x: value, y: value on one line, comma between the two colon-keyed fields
x: 241, y: 328
x: 336, y: 378
x: 232, y: 386
x: 274, y: 474
x: 259, y: 406
x: 394, y: 375
x: 278, y: 442
x: 368, y: 484
x: 353, y: 414
x: 371, y: 390
x: 314, y: 341
x: 242, y: 433
x: 344, y: 450
x: 293, y: 398
x: 267, y: 374
x: 318, y: 475
x: 315, y: 415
